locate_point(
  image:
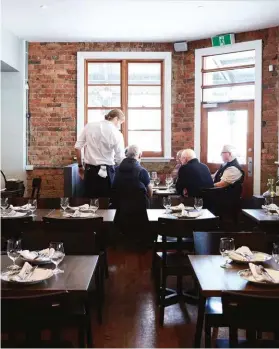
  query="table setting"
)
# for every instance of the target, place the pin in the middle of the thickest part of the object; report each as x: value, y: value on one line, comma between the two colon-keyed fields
x: 82, y: 211
x: 271, y: 209
x: 10, y: 211
x: 37, y: 257
x: 183, y: 212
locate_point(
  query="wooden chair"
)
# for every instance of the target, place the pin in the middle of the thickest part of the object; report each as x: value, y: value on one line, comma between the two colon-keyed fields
x: 80, y: 236
x: 207, y: 243
x: 254, y: 313
x: 34, y: 313
x: 13, y: 228
x: 173, y: 258
x: 36, y: 188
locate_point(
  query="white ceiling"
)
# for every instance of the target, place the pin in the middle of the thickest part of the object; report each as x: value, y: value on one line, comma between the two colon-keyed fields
x: 135, y: 20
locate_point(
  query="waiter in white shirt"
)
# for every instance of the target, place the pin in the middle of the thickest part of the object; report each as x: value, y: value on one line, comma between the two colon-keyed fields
x: 103, y: 146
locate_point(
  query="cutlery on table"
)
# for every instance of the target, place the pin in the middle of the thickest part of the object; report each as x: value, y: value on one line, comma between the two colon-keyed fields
x: 265, y: 272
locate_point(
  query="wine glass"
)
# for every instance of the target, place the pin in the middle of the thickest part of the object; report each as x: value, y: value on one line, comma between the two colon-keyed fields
x: 152, y: 183
x: 169, y: 181
x: 4, y: 204
x: 198, y: 203
x: 154, y: 175
x: 226, y: 246
x: 275, y: 252
x: 13, y: 252
x: 157, y: 181
x: 94, y: 205
x: 56, y: 255
x: 167, y: 203
x: 64, y: 203
x: 32, y: 204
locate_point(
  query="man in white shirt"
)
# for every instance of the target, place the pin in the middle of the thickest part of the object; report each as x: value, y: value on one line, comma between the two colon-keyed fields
x: 230, y: 172
x: 103, y: 146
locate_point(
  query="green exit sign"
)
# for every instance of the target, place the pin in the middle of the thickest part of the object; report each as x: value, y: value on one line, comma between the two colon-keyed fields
x: 222, y: 40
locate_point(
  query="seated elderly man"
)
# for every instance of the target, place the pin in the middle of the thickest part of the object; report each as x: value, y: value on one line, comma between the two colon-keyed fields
x: 230, y: 171
x: 193, y: 175
x: 174, y: 172
x: 130, y: 176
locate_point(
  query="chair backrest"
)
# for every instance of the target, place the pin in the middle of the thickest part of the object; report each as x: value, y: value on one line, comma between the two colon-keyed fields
x: 207, y: 243
x: 36, y: 187
x: 246, y: 311
x: 77, y: 234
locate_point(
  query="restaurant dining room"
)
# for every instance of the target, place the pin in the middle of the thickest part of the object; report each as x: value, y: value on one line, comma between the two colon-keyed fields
x: 139, y: 174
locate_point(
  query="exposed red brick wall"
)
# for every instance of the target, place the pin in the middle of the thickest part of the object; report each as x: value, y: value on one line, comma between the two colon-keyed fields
x: 52, y: 80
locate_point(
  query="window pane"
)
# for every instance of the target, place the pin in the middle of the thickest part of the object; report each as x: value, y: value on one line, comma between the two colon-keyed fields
x: 146, y: 96
x: 144, y: 119
x: 229, y: 60
x: 144, y: 73
x: 94, y: 115
x: 226, y: 94
x: 146, y: 140
x: 234, y: 131
x: 104, y: 73
x: 229, y: 76
x: 104, y: 96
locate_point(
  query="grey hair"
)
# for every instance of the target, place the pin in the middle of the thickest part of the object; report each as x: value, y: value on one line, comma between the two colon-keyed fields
x: 132, y: 151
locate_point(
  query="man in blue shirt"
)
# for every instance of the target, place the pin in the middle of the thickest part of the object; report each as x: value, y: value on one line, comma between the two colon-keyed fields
x: 193, y: 175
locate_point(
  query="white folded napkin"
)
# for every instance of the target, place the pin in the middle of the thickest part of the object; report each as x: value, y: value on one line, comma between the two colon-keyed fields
x: 261, y: 276
x: 84, y: 207
x: 243, y: 254
x: 13, y: 214
x: 79, y: 214
x: 29, y: 273
x: 21, y: 208
x: 40, y: 255
x: 24, y: 271
x: 179, y: 207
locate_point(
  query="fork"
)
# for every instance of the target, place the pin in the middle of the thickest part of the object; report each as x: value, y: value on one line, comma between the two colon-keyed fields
x: 263, y: 270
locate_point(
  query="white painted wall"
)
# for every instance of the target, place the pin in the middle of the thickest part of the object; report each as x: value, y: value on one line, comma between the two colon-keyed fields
x: 10, y: 49
x: 13, y: 110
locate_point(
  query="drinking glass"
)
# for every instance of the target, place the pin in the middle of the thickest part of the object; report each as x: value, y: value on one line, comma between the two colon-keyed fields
x: 198, y: 203
x: 275, y: 252
x: 169, y: 181
x: 64, y: 203
x: 152, y: 183
x: 167, y: 203
x: 157, y: 181
x: 56, y: 255
x: 4, y: 204
x: 226, y: 246
x: 94, y: 205
x: 13, y: 249
x: 32, y: 206
x: 154, y: 175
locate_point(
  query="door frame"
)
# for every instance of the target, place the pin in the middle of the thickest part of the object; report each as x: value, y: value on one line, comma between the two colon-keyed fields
x: 236, y: 105
x: 243, y: 46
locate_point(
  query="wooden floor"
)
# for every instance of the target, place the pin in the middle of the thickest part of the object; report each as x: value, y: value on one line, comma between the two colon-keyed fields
x: 130, y: 314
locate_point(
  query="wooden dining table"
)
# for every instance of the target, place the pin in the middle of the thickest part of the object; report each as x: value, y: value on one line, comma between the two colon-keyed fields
x: 213, y: 280
x: 266, y: 222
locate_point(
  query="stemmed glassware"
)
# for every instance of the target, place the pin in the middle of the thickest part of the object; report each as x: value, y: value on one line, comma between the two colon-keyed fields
x: 167, y: 203
x: 56, y: 255
x: 275, y: 252
x: 32, y: 203
x: 4, y: 204
x: 226, y: 246
x: 169, y: 181
x: 13, y: 252
x: 64, y: 203
x: 94, y: 205
x: 198, y: 203
x: 157, y: 181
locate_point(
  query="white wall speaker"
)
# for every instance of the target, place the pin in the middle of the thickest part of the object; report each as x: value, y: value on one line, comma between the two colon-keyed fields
x: 180, y: 46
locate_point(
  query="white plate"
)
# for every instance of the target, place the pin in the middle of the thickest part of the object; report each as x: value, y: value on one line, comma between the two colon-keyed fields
x: 258, y: 257
x: 247, y: 275
x: 25, y: 282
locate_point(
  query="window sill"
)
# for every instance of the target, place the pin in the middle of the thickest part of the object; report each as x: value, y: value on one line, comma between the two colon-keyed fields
x: 156, y: 159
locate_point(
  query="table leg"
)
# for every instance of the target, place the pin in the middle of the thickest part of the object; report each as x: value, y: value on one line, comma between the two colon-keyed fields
x: 199, y: 325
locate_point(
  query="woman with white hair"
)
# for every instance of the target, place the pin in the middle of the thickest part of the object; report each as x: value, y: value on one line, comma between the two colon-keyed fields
x: 230, y: 171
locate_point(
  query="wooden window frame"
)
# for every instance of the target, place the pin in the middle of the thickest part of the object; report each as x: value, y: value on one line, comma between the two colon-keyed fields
x: 124, y: 85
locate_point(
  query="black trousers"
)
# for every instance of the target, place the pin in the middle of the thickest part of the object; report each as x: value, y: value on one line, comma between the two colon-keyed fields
x: 96, y: 186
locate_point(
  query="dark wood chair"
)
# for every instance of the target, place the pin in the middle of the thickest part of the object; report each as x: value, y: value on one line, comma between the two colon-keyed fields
x: 173, y: 259
x: 254, y: 313
x: 36, y: 188
x: 80, y: 236
x: 207, y: 243
x: 34, y: 313
x: 13, y: 228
